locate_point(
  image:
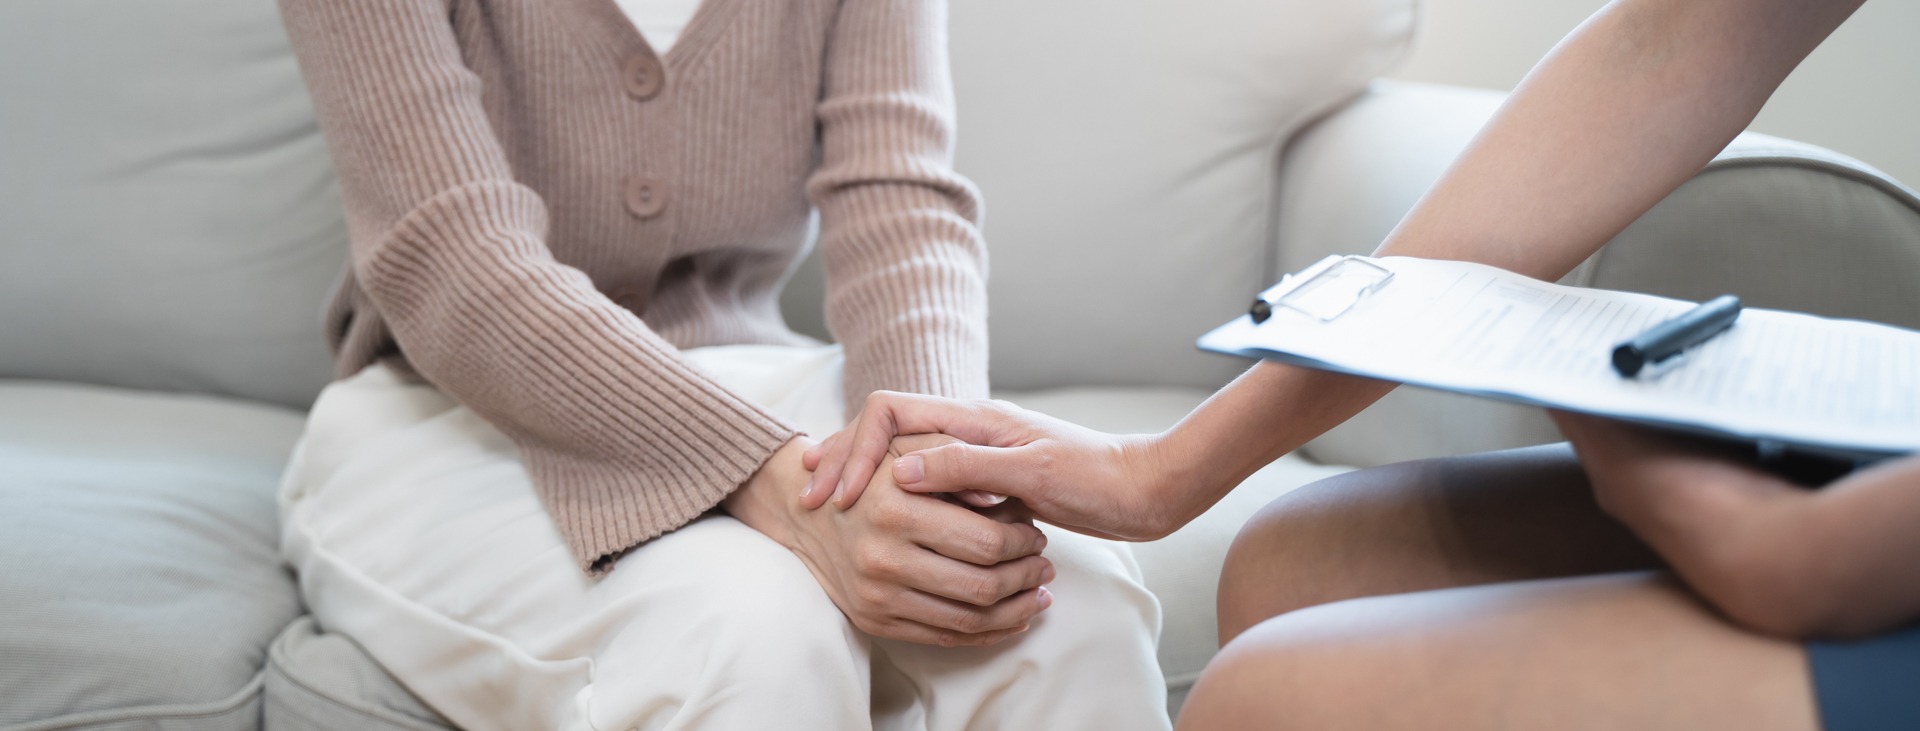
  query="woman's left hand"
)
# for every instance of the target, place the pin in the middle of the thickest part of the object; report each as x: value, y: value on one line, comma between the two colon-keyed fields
x: 1773, y: 556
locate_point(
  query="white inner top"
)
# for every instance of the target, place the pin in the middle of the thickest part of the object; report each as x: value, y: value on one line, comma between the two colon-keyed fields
x: 660, y: 21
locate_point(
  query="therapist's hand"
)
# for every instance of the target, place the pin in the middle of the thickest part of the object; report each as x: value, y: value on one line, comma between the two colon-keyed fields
x: 844, y: 461
x: 845, y: 498
x: 1113, y: 486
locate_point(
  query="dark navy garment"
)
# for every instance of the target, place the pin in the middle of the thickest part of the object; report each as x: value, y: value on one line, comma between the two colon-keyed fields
x: 1868, y: 685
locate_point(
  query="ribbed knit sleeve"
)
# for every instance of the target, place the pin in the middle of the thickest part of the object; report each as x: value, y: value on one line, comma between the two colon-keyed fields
x: 621, y: 437
x: 899, y: 229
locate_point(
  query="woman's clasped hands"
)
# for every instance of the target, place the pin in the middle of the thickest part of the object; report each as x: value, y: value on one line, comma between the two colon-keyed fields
x: 905, y: 566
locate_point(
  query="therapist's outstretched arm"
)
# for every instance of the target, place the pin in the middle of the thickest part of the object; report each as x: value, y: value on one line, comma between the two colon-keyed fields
x: 1130, y: 487
x: 1626, y: 108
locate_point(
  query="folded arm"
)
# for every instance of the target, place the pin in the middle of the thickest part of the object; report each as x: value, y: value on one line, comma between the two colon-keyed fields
x: 1776, y: 557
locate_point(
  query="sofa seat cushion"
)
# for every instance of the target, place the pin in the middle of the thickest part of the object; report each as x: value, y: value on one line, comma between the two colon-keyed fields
x: 142, y: 579
x: 1183, y: 569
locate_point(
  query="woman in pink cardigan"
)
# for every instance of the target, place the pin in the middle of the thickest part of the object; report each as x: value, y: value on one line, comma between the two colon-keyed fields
x: 557, y: 484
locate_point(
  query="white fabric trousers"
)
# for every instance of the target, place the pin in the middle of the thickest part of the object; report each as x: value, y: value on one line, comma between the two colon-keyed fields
x: 416, y: 532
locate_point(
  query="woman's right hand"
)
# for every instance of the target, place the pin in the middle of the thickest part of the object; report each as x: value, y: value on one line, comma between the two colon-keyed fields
x: 901, y: 565
x: 1125, y: 487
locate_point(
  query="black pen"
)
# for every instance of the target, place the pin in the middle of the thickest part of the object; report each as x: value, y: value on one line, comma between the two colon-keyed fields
x: 1669, y: 338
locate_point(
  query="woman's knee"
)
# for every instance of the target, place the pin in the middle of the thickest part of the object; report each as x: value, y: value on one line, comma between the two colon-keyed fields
x: 1103, y: 618
x: 1503, y: 516
x: 738, y: 595
x: 695, y: 620
x: 1632, y: 650
x: 1102, y: 608
x: 1291, y: 671
x: 1307, y: 547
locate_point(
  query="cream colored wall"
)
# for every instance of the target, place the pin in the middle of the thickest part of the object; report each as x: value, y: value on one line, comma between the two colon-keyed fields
x: 1858, y: 94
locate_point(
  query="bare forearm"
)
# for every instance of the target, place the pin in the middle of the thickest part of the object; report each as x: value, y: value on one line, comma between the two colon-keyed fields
x: 763, y: 502
x: 1268, y: 411
x: 1623, y: 111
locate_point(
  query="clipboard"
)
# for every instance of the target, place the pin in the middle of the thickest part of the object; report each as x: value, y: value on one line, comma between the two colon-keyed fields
x: 1786, y: 381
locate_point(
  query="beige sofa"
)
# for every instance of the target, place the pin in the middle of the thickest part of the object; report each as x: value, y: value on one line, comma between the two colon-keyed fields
x: 169, y: 226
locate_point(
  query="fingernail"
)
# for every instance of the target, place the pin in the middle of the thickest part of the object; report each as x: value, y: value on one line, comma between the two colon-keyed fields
x: 910, y: 468
x: 993, y: 499
x: 1021, y: 628
x: 1046, y: 575
x: 1045, y: 597
x: 808, y: 490
x: 1043, y: 542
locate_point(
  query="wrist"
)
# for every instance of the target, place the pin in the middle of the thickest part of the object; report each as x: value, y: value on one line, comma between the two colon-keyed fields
x: 767, y: 500
x: 1179, y: 480
x: 1187, y: 461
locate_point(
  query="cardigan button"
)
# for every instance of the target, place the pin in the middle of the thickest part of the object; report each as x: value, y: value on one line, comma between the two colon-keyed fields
x: 645, y: 77
x: 646, y: 197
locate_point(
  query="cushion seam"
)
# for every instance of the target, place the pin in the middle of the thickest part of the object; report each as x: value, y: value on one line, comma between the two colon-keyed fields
x: 92, y: 718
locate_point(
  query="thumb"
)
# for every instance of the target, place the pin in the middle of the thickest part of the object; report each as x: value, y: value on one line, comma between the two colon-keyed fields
x: 957, y: 467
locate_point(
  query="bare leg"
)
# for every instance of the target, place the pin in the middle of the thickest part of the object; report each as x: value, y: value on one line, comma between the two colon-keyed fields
x: 1505, y: 516
x: 1604, y: 652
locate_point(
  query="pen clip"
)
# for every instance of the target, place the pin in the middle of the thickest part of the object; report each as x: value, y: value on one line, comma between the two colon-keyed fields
x: 1670, y: 339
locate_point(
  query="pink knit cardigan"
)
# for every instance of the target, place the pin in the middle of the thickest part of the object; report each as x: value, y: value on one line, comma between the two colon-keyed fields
x: 544, y: 212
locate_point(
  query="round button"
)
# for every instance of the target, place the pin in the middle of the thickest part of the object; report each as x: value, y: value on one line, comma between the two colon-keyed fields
x: 646, y: 197
x: 645, y: 77
x: 632, y: 298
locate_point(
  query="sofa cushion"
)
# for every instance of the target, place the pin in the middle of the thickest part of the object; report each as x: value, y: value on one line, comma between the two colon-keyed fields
x: 168, y: 217
x: 142, y: 579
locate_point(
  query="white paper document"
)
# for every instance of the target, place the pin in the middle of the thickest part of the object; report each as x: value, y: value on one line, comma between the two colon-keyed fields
x: 1842, y: 387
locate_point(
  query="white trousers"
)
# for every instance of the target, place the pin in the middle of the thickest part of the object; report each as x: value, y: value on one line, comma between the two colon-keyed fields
x: 416, y: 532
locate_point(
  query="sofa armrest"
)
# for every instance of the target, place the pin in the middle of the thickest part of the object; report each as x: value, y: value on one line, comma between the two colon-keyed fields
x: 1783, y: 224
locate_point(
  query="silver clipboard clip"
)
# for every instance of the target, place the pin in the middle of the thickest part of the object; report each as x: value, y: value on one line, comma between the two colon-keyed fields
x: 1324, y: 291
